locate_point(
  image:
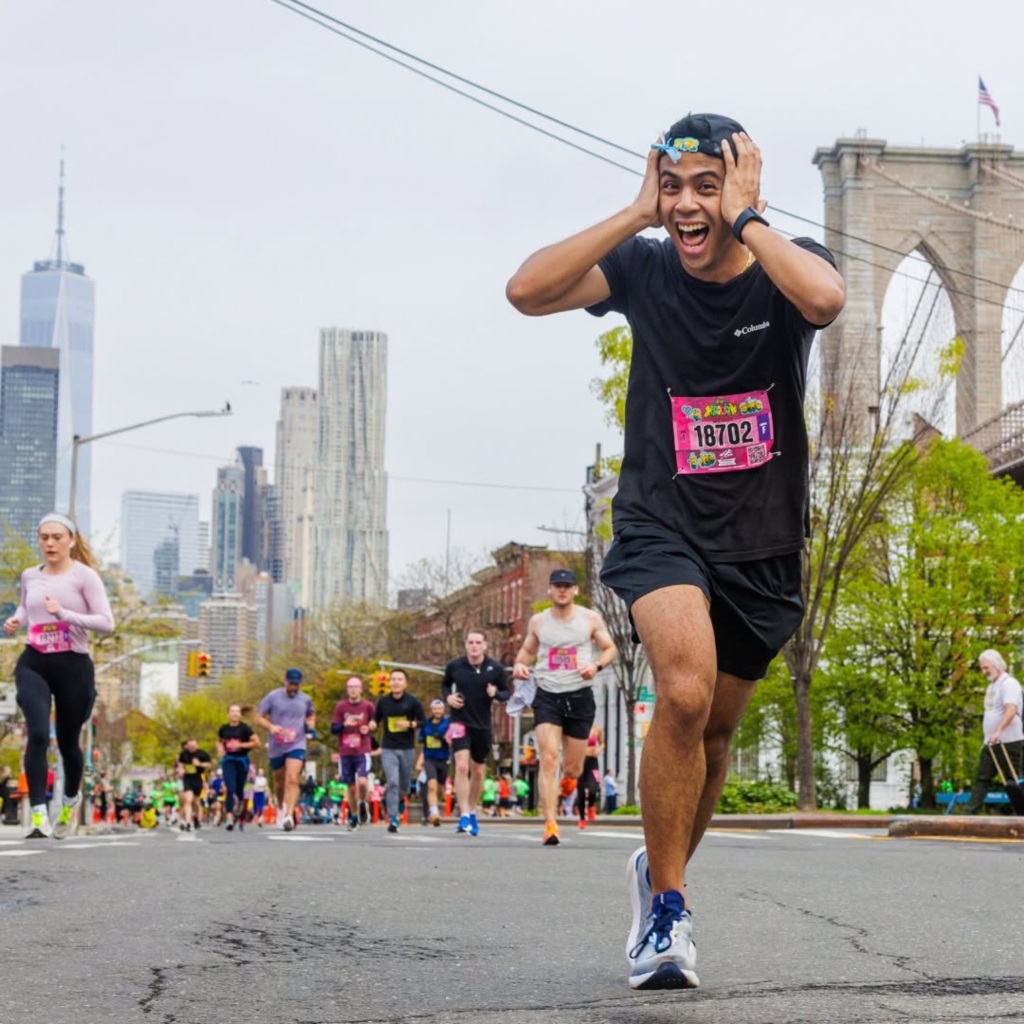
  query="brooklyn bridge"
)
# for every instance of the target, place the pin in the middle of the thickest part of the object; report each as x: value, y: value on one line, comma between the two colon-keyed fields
x: 951, y: 220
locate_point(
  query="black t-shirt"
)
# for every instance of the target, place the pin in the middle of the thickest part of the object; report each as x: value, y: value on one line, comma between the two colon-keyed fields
x: 191, y: 770
x: 241, y: 732
x: 471, y: 682
x: 390, y: 712
x: 693, y: 338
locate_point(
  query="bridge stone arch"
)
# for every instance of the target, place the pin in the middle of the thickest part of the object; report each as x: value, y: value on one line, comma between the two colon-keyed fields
x: 963, y: 211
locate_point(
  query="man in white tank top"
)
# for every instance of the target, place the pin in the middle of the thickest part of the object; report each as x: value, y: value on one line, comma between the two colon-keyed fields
x: 566, y: 645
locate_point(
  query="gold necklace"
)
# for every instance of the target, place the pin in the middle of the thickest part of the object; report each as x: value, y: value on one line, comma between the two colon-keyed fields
x: 750, y: 260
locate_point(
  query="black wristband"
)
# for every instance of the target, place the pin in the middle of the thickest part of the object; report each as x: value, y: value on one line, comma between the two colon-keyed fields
x: 743, y: 219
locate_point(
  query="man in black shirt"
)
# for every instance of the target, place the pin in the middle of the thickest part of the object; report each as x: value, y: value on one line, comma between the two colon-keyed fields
x: 469, y: 686
x: 193, y: 764
x: 709, y: 518
x: 399, y: 714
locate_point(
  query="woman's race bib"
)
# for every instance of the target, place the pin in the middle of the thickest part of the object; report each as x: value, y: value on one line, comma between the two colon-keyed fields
x: 456, y: 730
x: 722, y: 433
x: 50, y: 637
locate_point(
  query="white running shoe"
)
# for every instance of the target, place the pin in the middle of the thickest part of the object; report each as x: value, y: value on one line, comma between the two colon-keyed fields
x: 67, y: 820
x: 41, y: 827
x: 664, y: 957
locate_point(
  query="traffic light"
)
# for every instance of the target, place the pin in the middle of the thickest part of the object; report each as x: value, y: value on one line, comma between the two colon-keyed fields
x: 202, y: 663
x: 380, y: 684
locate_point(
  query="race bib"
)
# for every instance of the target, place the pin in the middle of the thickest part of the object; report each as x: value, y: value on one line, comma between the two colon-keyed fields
x: 353, y: 739
x: 433, y: 743
x: 562, y: 659
x: 50, y: 637
x: 722, y: 433
x: 284, y: 736
x: 456, y: 730
x: 398, y: 724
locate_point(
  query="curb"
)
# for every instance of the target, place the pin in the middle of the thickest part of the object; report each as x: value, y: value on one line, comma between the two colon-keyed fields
x: 957, y: 828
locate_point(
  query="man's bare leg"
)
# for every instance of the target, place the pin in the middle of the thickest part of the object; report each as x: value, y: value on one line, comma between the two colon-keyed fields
x: 549, y: 739
x: 292, y: 774
x: 462, y: 786
x: 476, y: 783
x: 732, y: 695
x: 675, y: 628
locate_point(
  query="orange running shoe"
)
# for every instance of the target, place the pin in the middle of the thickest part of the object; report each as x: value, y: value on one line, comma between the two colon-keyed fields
x: 551, y: 834
x: 568, y: 787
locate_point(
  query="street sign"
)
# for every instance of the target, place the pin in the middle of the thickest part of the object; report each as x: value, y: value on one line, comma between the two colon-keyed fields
x: 8, y: 703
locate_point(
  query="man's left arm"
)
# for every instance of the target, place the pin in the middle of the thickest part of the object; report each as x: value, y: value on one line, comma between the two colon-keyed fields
x: 810, y: 282
x: 607, y: 652
x: 501, y: 688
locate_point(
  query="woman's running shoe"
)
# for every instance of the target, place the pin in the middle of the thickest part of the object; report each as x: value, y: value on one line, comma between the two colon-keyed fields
x: 41, y: 827
x: 67, y: 820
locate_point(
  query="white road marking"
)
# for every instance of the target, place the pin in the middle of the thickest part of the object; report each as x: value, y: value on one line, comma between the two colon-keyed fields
x: 95, y: 846
x: 301, y: 839
x: 19, y: 853
x: 819, y: 833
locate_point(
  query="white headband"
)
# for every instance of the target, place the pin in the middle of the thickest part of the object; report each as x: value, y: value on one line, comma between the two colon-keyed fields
x: 56, y: 517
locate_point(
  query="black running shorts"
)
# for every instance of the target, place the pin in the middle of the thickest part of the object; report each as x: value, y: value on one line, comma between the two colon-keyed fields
x: 476, y: 741
x: 755, y: 606
x: 572, y: 712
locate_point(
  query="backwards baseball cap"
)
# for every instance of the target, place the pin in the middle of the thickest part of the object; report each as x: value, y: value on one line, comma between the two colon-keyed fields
x: 563, y: 576
x: 293, y: 675
x: 698, y: 133
x: 437, y: 702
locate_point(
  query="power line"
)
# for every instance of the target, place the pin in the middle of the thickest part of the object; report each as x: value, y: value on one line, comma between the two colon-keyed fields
x: 445, y: 85
x: 294, y: 5
x: 401, y: 479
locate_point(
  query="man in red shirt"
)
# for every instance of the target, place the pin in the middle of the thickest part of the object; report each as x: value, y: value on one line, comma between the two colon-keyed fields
x: 352, y: 722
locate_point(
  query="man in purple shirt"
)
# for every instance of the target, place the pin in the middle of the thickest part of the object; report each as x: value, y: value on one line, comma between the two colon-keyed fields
x: 287, y: 714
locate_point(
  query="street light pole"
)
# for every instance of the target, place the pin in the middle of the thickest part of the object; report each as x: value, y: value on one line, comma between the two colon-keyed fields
x: 77, y: 441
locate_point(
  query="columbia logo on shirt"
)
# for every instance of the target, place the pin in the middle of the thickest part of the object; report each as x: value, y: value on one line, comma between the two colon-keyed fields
x: 750, y: 328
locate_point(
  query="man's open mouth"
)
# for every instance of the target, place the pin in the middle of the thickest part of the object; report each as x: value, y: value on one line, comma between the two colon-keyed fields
x: 692, y: 235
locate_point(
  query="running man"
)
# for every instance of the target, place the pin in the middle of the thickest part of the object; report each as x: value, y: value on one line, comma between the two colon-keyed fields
x: 61, y: 600
x: 192, y: 766
x: 434, y: 755
x: 353, y: 724
x: 234, y: 741
x: 708, y: 524
x: 567, y: 645
x: 470, y: 685
x: 399, y: 714
x: 287, y: 714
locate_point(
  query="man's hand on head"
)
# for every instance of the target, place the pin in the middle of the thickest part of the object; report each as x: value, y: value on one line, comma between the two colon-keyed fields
x: 742, y: 186
x: 646, y: 202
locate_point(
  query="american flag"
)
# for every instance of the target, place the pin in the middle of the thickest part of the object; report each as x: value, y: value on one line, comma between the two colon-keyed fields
x: 986, y: 100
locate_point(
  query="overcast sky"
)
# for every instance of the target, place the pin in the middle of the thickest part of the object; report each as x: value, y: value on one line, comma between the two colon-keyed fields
x: 238, y: 177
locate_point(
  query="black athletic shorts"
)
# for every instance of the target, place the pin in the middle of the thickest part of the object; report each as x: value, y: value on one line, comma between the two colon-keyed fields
x: 755, y: 606
x: 476, y: 741
x: 193, y: 783
x: 573, y: 712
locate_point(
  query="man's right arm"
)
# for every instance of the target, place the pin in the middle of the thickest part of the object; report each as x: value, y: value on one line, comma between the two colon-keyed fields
x: 565, y: 275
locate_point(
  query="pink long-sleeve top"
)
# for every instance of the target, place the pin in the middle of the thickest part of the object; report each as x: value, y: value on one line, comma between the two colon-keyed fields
x: 79, y: 592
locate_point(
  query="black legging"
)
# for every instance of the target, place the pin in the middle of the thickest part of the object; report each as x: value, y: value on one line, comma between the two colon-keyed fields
x: 588, y: 789
x: 235, y: 771
x: 68, y: 679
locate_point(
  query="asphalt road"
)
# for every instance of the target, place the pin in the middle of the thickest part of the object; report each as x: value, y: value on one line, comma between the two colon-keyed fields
x: 322, y: 926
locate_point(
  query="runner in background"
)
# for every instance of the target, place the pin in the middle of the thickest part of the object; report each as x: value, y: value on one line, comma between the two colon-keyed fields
x: 61, y: 600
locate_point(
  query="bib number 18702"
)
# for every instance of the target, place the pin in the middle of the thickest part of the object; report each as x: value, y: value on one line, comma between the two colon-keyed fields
x: 719, y: 435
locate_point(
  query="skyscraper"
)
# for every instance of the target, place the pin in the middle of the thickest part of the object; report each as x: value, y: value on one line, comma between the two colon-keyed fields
x: 350, y: 561
x: 29, y: 388
x: 226, y: 551
x: 294, y: 459
x: 58, y: 311
x: 159, y: 539
x: 251, y: 460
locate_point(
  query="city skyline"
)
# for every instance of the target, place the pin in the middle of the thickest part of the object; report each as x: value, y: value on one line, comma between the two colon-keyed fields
x: 149, y: 521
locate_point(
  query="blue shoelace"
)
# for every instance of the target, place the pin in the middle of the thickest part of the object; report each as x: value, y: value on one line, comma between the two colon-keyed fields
x: 660, y: 928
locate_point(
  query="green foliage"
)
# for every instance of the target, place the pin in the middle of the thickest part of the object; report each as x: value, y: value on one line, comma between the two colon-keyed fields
x: 759, y: 797
x: 627, y: 809
x: 615, y: 348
